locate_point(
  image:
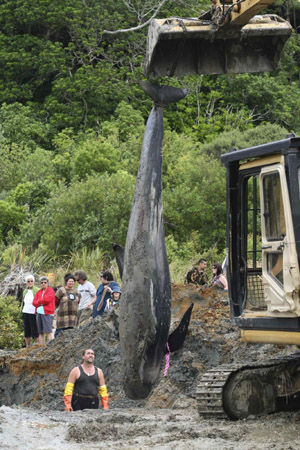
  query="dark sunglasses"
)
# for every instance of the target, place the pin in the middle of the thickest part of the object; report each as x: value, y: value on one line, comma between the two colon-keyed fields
x: 29, y: 281
x: 44, y: 282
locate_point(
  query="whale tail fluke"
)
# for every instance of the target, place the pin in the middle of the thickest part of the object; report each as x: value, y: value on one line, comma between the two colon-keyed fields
x: 162, y: 95
x: 177, y: 338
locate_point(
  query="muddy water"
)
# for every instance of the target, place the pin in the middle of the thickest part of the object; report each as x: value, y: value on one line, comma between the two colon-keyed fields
x: 169, y: 429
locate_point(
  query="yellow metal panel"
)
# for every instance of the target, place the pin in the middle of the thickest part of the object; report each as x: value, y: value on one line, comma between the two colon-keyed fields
x: 247, y: 9
x: 271, y: 337
x: 249, y: 313
x: 273, y: 159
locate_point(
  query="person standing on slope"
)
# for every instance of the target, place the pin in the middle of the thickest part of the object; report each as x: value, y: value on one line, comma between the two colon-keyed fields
x: 84, y: 384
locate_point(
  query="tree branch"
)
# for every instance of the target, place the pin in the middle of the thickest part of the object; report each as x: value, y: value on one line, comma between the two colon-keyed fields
x: 139, y: 27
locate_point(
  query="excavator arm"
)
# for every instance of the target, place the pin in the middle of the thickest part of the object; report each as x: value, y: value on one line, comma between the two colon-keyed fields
x: 229, y: 38
x: 238, y: 13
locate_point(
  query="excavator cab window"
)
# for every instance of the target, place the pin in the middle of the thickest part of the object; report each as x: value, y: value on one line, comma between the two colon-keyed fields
x: 274, y: 213
x: 275, y: 227
x: 251, y: 251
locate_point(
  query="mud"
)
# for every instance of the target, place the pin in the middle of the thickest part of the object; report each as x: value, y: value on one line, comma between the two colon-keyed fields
x: 140, y: 428
x: 32, y: 382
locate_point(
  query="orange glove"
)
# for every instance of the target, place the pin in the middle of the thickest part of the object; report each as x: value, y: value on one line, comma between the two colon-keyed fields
x: 68, y: 402
x: 68, y: 396
x: 104, y: 402
x: 104, y: 396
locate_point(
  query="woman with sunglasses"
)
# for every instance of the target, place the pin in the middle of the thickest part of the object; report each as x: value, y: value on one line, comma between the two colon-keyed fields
x: 44, y: 302
x: 28, y: 310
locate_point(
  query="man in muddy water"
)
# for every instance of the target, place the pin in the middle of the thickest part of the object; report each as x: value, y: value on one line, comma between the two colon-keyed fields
x: 84, y: 384
x: 197, y: 275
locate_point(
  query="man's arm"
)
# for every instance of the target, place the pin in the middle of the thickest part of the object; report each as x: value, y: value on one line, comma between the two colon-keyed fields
x: 92, y: 301
x: 103, y: 390
x: 105, y: 291
x: 73, y: 376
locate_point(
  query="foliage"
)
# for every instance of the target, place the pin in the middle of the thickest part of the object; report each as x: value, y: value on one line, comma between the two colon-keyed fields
x: 271, y: 101
x: 11, y: 326
x: 20, y: 125
x: 197, y: 201
x: 32, y: 195
x: 11, y: 218
x: 234, y: 139
x: 87, y: 213
x: 21, y: 256
x: 91, y: 260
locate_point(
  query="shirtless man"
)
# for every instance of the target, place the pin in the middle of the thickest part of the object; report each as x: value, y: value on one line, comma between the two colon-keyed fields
x: 84, y: 384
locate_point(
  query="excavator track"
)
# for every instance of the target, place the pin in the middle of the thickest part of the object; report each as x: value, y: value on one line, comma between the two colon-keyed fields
x: 237, y: 390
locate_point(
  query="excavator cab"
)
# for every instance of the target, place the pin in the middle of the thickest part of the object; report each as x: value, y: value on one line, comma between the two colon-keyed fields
x: 263, y: 240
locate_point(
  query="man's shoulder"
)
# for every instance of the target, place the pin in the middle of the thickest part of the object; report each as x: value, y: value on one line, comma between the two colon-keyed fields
x: 89, y: 284
x: 191, y: 272
x: 50, y: 290
x: 195, y: 276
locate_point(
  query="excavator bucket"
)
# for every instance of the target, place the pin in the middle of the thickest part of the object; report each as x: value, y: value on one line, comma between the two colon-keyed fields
x: 177, y: 47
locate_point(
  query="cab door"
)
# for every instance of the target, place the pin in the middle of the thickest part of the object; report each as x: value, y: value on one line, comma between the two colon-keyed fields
x: 280, y: 269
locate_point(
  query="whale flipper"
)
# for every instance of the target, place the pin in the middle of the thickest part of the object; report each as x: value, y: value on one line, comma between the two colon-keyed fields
x: 177, y: 338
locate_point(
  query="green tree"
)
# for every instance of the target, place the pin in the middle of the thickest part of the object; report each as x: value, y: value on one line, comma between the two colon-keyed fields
x: 229, y: 140
x: 194, y: 200
x: 11, y: 218
x: 11, y: 326
x: 92, y: 212
x: 21, y: 126
x: 31, y: 194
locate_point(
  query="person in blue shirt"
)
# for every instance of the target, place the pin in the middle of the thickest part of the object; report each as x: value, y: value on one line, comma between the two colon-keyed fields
x: 103, y: 293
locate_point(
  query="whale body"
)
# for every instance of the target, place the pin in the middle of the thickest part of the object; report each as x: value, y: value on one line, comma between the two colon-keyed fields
x: 145, y: 306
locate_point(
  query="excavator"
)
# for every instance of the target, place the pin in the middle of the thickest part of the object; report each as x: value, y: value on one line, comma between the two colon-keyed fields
x: 263, y: 205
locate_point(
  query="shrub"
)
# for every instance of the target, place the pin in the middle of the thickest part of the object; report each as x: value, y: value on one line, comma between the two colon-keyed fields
x: 11, y: 326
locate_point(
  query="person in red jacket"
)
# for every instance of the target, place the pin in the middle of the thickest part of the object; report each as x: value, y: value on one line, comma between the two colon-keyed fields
x: 44, y: 302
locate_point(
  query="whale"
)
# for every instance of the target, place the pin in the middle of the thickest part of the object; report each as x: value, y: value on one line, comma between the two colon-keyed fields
x: 145, y: 306
x: 175, y: 339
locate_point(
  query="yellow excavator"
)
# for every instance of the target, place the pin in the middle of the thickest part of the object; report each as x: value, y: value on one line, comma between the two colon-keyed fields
x: 263, y: 204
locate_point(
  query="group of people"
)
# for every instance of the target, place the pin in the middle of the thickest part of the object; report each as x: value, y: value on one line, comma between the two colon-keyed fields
x: 70, y: 305
x: 197, y: 275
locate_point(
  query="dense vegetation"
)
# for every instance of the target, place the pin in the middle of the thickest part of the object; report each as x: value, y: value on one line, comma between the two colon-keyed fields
x: 72, y: 118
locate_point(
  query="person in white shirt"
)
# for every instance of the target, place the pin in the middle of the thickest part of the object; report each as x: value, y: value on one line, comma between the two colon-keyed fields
x: 28, y: 310
x: 88, y: 295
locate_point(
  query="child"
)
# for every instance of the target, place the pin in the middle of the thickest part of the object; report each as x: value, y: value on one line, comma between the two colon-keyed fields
x: 115, y: 296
